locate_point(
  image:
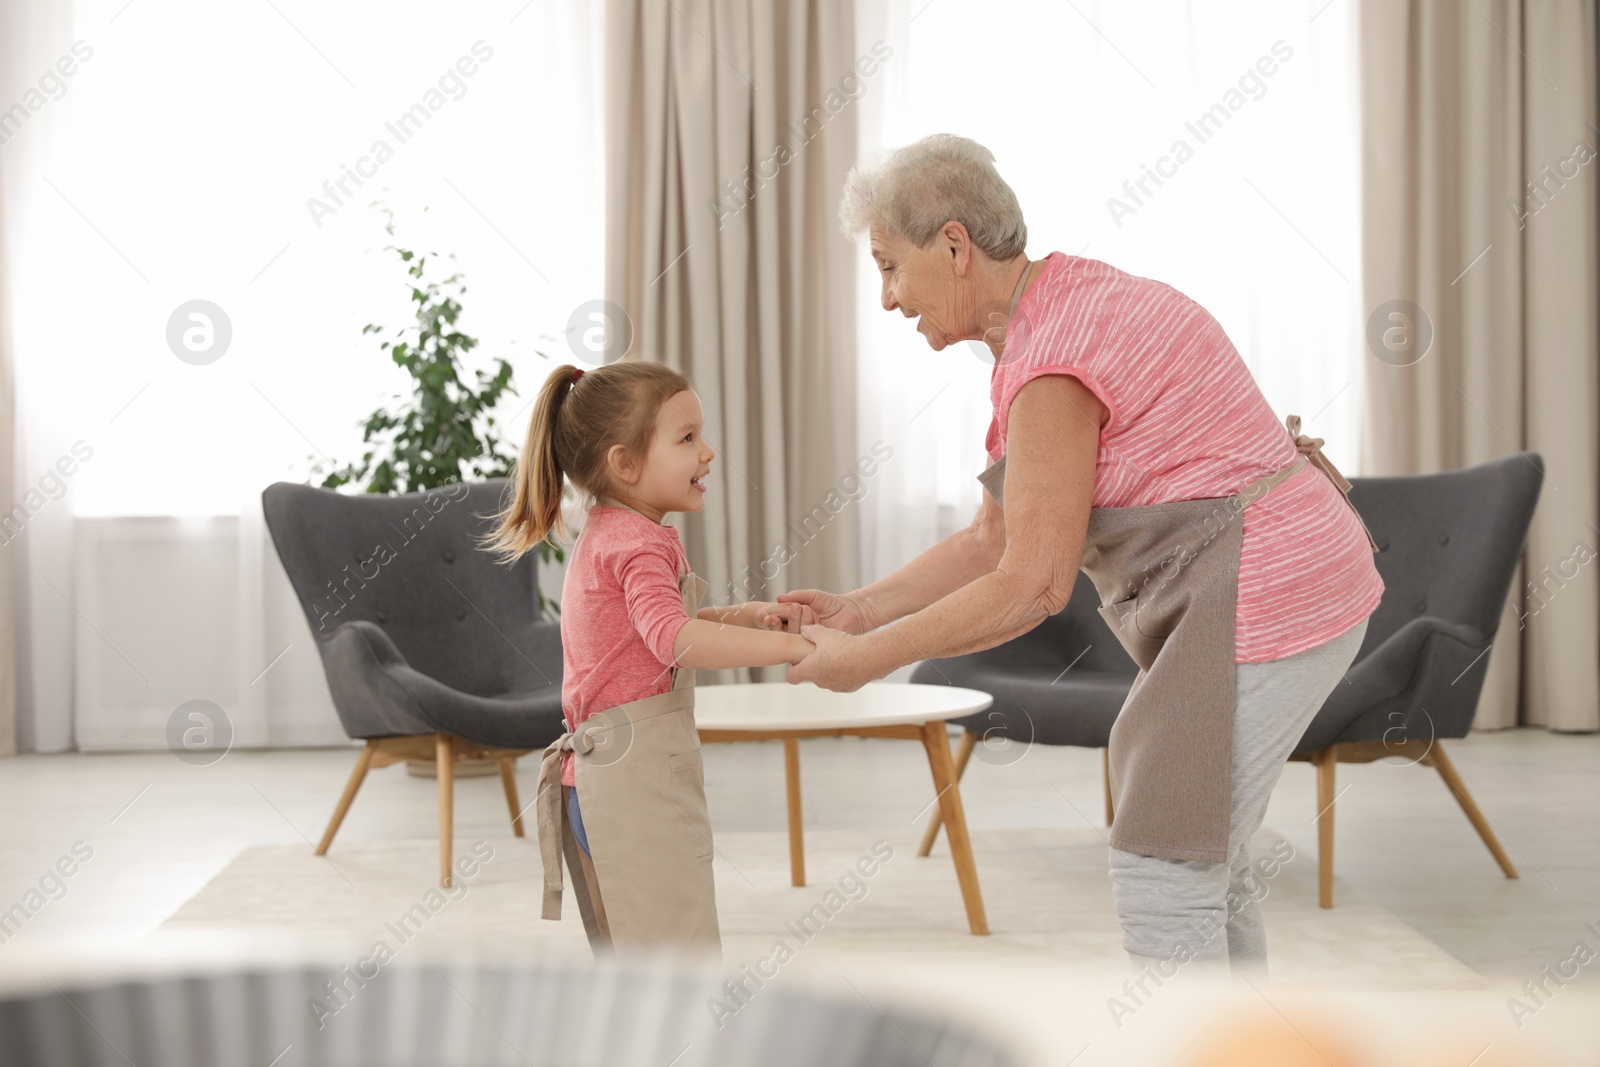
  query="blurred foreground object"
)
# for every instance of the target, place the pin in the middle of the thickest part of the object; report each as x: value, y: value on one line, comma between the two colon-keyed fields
x: 482, y: 1015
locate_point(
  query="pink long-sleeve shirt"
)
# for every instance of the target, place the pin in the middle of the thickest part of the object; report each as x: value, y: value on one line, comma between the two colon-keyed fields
x: 621, y: 610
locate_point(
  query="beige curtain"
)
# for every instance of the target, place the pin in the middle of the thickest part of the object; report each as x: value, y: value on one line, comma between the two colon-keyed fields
x: 730, y: 127
x: 8, y: 495
x: 1479, y: 158
x: 17, y: 34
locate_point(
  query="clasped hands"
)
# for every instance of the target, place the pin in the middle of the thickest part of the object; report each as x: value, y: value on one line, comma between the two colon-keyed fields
x: 828, y: 622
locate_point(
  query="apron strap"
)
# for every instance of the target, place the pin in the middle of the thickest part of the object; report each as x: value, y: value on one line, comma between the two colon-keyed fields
x: 549, y: 814
x: 1265, y: 484
x: 1311, y: 448
x: 692, y: 587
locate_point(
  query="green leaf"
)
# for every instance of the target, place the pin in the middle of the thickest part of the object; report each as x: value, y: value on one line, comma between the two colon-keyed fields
x: 445, y: 429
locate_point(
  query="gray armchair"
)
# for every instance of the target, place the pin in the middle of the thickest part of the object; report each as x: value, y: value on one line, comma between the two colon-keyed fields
x: 432, y: 649
x: 1449, y: 545
x: 1448, y: 548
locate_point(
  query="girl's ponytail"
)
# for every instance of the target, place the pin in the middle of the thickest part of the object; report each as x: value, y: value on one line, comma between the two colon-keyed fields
x: 534, y: 510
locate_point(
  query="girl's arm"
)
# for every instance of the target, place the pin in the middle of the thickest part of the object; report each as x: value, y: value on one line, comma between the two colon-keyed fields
x: 786, y: 617
x: 649, y: 579
x: 702, y: 643
x: 732, y: 614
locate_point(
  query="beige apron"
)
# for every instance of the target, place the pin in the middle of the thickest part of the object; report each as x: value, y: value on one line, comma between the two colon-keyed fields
x: 641, y: 792
x: 1168, y: 579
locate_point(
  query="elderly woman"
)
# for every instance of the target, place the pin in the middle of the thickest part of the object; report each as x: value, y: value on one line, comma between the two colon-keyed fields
x: 1229, y: 563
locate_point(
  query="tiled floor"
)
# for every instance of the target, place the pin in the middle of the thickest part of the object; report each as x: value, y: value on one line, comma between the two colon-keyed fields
x: 160, y: 829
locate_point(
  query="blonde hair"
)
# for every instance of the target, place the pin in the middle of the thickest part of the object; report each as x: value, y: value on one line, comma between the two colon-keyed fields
x: 576, y: 421
x: 915, y: 190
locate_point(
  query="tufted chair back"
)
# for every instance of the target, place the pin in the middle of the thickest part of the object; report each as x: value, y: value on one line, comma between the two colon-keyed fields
x: 410, y: 565
x: 1449, y: 542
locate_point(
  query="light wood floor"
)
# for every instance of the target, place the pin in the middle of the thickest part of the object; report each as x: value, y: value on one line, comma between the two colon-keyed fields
x: 160, y: 829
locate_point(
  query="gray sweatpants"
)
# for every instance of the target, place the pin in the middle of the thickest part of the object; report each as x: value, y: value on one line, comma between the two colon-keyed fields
x: 1174, y: 911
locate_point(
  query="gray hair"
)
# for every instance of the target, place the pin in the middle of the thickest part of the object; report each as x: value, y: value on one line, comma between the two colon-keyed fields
x: 915, y: 190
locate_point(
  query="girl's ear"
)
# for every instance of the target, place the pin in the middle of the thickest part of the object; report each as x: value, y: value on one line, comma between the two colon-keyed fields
x: 622, y: 466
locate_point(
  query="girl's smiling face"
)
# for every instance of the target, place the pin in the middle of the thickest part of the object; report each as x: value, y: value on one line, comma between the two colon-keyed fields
x: 673, y: 474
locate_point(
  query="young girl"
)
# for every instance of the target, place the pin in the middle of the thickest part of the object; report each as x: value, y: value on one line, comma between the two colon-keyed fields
x: 629, y: 812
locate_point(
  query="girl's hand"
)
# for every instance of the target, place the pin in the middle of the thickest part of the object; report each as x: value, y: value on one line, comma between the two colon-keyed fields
x: 830, y: 609
x: 785, y: 617
x: 799, y: 649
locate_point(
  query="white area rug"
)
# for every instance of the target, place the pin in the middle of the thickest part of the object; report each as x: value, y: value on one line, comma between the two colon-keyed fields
x: 1046, y: 892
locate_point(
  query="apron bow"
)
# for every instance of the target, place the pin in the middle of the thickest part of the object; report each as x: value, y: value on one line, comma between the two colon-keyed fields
x: 581, y: 740
x: 1311, y: 448
x: 549, y: 814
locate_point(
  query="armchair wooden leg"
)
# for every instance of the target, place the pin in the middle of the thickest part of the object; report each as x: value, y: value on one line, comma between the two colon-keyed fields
x: 1105, y: 763
x: 508, y: 778
x: 969, y: 741
x: 1326, y: 761
x: 445, y: 761
x: 1447, y: 771
x: 357, y: 776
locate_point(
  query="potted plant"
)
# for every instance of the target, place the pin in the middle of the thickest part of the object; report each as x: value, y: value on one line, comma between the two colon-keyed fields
x: 445, y: 430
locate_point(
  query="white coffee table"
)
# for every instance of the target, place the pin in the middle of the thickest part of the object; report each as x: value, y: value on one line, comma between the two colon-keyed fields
x: 878, y: 709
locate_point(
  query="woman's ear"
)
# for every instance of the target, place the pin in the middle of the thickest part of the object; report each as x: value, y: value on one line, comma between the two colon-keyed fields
x: 959, y: 243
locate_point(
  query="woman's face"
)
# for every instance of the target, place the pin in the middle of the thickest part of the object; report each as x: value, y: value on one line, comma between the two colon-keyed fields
x: 922, y: 282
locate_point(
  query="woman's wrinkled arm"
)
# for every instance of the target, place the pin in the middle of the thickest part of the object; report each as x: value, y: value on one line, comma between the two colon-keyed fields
x: 962, y: 557
x: 1052, y: 446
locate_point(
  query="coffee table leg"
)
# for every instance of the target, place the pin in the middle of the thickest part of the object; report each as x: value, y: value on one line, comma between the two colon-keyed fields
x: 937, y: 742
x: 969, y: 741
x: 797, y: 842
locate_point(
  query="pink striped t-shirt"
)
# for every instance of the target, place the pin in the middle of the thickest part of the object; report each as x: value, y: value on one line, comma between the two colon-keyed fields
x: 621, y: 611
x: 1187, y: 421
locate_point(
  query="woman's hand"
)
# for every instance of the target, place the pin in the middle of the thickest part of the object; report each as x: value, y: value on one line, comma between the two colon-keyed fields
x: 837, y: 664
x: 831, y: 610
